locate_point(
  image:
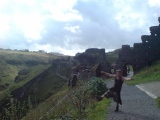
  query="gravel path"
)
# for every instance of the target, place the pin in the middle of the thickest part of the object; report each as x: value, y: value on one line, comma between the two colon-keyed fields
x: 137, y: 105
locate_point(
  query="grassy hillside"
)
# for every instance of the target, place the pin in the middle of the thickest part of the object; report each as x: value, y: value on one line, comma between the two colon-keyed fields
x: 148, y: 74
x: 11, y: 62
x: 48, y: 85
x: 70, y: 103
x: 112, y: 56
x: 18, y: 68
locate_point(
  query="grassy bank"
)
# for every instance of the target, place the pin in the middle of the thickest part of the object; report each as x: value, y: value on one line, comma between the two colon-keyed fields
x: 147, y: 74
x: 19, y: 68
x: 158, y: 102
x: 99, y: 112
x: 76, y: 105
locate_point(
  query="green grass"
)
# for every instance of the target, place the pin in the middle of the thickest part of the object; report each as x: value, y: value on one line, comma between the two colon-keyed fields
x: 4, y: 54
x: 112, y: 56
x: 147, y: 74
x: 158, y: 102
x: 93, y: 110
x: 99, y: 111
x: 36, y: 70
x: 49, y: 84
x: 131, y: 67
x: 11, y: 62
x: 44, y: 107
x: 50, y: 88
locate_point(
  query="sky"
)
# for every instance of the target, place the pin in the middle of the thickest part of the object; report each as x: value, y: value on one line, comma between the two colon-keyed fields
x: 71, y: 26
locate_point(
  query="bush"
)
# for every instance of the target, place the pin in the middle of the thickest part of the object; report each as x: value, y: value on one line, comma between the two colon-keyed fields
x: 6, y: 84
x: 23, y: 72
x: 19, y: 78
x: 14, y: 62
x: 96, y: 86
x: 14, y: 109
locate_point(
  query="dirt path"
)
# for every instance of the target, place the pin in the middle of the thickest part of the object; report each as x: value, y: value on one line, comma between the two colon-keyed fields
x: 137, y: 105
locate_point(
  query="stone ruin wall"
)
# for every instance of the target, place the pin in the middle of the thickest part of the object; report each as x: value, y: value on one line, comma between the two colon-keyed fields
x: 93, y: 56
x: 142, y: 54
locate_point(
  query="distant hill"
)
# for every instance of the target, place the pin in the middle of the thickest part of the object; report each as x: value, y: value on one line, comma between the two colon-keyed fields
x: 112, y: 56
x: 17, y: 68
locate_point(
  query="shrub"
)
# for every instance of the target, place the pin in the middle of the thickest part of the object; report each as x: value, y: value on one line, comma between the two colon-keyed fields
x: 14, y: 110
x: 14, y: 62
x: 96, y: 86
x: 6, y: 84
x: 24, y: 72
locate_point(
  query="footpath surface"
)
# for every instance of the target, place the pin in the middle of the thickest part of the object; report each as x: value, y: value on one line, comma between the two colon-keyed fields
x: 136, y: 105
x: 151, y: 88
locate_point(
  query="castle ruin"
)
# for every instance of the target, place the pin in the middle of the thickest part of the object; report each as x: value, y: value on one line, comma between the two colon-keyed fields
x: 93, y: 56
x: 142, y: 54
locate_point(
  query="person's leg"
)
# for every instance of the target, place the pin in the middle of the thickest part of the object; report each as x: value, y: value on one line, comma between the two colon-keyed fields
x: 117, y: 107
x: 118, y: 100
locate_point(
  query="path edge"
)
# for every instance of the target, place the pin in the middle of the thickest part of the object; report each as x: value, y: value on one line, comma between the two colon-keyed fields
x: 148, y: 93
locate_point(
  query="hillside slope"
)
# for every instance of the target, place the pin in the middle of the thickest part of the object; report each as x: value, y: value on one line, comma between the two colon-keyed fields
x: 41, y: 87
x: 112, y: 56
x: 18, y: 68
x: 147, y: 74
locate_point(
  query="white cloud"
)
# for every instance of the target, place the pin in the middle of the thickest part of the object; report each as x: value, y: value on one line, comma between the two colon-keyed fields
x: 154, y: 3
x: 71, y: 26
x: 127, y: 15
x: 74, y: 49
x: 50, y: 48
x: 73, y: 29
x: 4, y: 26
x: 61, y: 10
x: 3, y: 3
x: 26, y: 2
x: 31, y: 24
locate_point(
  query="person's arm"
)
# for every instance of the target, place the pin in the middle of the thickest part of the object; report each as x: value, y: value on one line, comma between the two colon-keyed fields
x: 107, y: 74
x: 127, y: 79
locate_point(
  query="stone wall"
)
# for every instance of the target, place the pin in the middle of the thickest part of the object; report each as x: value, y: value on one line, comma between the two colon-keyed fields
x: 142, y: 54
x: 93, y: 56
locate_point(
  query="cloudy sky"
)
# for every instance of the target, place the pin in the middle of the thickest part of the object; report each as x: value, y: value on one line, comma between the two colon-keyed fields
x: 71, y: 26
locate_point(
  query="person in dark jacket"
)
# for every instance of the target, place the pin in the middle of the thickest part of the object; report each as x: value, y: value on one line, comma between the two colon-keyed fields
x: 118, y: 82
